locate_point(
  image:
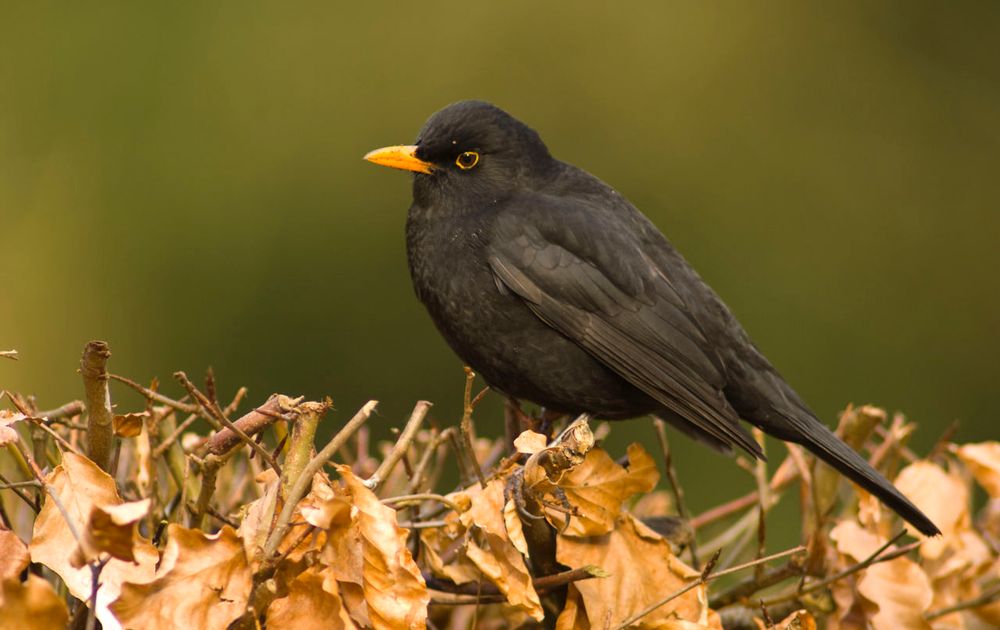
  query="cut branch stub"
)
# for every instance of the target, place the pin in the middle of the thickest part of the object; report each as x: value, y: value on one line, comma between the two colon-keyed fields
x: 100, y: 417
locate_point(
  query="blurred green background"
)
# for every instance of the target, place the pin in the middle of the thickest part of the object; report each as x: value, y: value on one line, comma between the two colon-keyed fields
x: 185, y: 181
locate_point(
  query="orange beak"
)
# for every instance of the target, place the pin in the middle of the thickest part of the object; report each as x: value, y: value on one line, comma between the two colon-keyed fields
x: 402, y: 156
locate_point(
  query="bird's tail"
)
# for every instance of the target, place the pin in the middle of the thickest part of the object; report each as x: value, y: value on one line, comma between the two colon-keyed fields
x: 815, y: 436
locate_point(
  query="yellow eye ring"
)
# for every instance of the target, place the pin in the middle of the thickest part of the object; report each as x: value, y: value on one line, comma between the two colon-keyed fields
x: 467, y: 160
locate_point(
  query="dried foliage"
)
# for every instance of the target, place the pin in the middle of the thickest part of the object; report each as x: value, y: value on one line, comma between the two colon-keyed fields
x: 190, y: 516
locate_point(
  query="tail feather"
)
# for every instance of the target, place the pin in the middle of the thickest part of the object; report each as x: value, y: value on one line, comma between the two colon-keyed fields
x: 816, y: 437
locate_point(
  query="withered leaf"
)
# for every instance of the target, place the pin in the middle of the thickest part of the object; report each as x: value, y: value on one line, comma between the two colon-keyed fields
x: 501, y: 562
x: 33, y: 605
x: 942, y: 496
x: 643, y: 571
x: 530, y: 442
x: 203, y: 581
x: 111, y: 529
x: 899, y: 588
x: 14, y: 556
x: 597, y: 488
x: 798, y: 620
x: 371, y: 553
x: 313, y: 603
x: 983, y: 460
x: 130, y: 424
x: 8, y: 418
x: 80, y: 486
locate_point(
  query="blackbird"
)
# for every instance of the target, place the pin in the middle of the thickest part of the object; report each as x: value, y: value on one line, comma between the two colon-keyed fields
x: 557, y: 290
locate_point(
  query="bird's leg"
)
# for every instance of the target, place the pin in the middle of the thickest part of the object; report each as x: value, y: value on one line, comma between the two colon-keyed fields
x: 547, y: 421
x: 515, y: 490
x: 514, y: 420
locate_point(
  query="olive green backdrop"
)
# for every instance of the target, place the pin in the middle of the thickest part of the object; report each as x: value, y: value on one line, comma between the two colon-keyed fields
x: 185, y: 181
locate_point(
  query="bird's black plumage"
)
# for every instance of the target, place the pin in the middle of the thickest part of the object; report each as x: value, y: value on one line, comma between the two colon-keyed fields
x: 557, y: 290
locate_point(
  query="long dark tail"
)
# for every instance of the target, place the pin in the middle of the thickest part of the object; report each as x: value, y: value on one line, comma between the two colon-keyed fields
x: 815, y: 436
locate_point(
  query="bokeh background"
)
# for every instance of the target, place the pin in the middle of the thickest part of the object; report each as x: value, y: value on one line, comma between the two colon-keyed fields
x: 185, y: 181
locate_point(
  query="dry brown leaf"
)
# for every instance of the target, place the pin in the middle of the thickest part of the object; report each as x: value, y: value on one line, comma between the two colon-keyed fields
x: 514, y: 527
x: 573, y: 616
x: 435, y: 541
x: 203, y: 581
x: 643, y: 571
x: 658, y: 503
x: 129, y: 425
x: 8, y: 419
x: 80, y: 486
x: 381, y: 584
x: 942, y: 496
x: 597, y: 488
x: 899, y: 588
x: 530, y: 442
x: 112, y: 530
x: 33, y: 605
x: 258, y: 516
x: 324, y: 507
x: 309, y: 605
x: 983, y: 460
x: 798, y: 620
x: 502, y: 563
x: 14, y: 556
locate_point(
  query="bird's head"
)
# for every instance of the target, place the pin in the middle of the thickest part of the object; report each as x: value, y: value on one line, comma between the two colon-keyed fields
x: 467, y: 151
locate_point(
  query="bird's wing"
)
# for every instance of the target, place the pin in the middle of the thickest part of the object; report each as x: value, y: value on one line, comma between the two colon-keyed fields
x: 583, y: 270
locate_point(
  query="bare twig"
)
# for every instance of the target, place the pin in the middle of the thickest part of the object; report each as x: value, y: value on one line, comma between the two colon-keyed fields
x: 401, y: 445
x: 416, y: 499
x: 785, y: 474
x: 31, y: 483
x: 95, y: 584
x: 975, y: 602
x: 149, y: 394
x: 541, y: 584
x: 675, y: 486
x: 100, y: 430
x: 304, y: 482
x: 9, y: 354
x: 163, y: 446
x: 68, y: 410
x: 213, y: 411
x: 58, y: 438
x: 854, y: 568
x: 252, y: 423
x: 466, y: 425
x: 707, y: 576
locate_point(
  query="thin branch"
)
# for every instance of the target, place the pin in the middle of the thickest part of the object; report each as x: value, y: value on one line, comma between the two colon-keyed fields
x: 401, y: 445
x: 214, y: 412
x: 70, y: 409
x: 976, y: 602
x: 785, y: 475
x: 31, y: 483
x: 417, y: 499
x: 252, y: 423
x: 9, y: 354
x: 854, y: 568
x: 304, y: 482
x: 466, y: 425
x: 175, y: 435
x: 675, y: 486
x: 149, y: 394
x: 707, y: 576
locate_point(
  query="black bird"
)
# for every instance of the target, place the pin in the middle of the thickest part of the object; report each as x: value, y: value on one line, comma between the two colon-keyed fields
x: 559, y: 291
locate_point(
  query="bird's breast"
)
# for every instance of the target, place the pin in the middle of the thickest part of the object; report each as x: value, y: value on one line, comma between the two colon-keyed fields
x: 491, y: 329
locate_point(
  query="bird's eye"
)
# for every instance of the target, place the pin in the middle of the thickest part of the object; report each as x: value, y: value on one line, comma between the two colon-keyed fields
x: 467, y: 160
